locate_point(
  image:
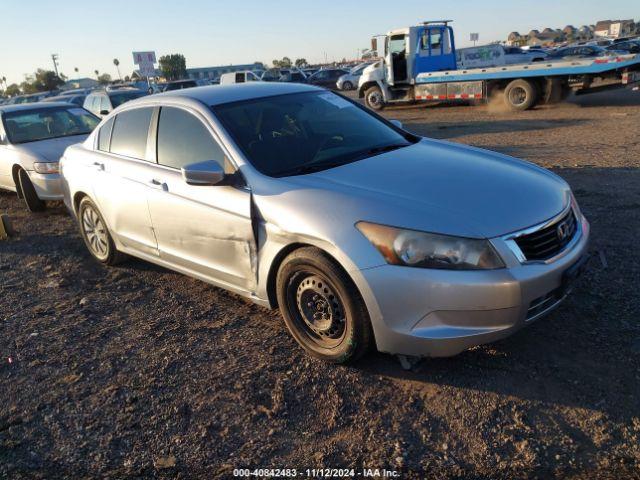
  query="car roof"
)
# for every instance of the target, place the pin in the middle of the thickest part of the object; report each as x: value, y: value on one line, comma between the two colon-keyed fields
x: 30, y: 106
x: 219, y: 94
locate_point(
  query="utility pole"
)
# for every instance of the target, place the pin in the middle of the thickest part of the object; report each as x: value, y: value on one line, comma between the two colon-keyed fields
x: 54, y: 57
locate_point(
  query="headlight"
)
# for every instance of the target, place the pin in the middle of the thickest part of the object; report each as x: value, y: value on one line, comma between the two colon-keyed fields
x: 46, y: 167
x: 430, y: 250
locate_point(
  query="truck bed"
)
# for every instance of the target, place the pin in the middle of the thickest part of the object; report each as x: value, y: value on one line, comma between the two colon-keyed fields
x: 538, y: 69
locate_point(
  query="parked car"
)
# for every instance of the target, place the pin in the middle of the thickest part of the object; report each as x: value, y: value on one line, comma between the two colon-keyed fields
x: 238, y: 77
x: 102, y: 102
x: 349, y: 80
x: 75, y: 99
x: 75, y: 91
x: 179, y: 85
x: 298, y: 198
x: 630, y: 46
x: 272, y: 74
x: 294, y: 75
x: 582, y: 51
x: 32, y: 140
x: 309, y: 71
x: 515, y: 55
x: 326, y: 78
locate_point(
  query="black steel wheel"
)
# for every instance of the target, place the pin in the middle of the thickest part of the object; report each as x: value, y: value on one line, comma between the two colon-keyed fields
x: 322, y: 308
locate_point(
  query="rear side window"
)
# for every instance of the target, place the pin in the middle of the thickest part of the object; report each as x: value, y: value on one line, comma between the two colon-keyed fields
x: 130, y: 131
x: 183, y: 139
x: 104, y: 136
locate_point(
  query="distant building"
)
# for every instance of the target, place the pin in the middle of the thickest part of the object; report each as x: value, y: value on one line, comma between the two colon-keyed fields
x: 514, y: 39
x: 614, y: 28
x: 211, y: 73
x: 80, y: 83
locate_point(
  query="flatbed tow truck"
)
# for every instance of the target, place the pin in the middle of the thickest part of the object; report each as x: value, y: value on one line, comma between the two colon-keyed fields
x: 420, y: 65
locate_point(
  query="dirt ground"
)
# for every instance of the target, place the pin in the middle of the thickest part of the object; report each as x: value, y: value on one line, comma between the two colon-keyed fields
x: 137, y: 371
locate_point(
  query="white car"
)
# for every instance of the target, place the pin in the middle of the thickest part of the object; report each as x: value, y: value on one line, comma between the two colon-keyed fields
x: 33, y: 137
x: 349, y: 81
x: 238, y: 77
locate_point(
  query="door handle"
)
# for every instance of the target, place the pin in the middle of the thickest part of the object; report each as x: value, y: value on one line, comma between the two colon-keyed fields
x: 98, y: 165
x: 158, y: 184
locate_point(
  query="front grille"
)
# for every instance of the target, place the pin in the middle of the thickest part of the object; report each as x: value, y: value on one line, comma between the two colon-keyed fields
x: 541, y: 304
x: 549, y: 241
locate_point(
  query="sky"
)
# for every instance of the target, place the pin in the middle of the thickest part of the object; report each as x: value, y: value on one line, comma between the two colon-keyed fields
x: 89, y: 35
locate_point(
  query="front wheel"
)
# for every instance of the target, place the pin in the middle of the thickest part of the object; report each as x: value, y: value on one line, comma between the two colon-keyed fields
x: 95, y: 234
x: 347, y: 85
x: 322, y: 308
x: 374, y: 99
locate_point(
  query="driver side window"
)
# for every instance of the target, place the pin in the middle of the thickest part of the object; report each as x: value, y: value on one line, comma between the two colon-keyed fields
x: 183, y: 140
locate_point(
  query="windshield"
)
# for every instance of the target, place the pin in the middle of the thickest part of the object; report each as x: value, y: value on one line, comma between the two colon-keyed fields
x: 43, y: 123
x: 119, y: 98
x: 300, y: 133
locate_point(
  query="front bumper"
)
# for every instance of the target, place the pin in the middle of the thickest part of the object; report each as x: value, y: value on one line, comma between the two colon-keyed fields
x: 48, y: 186
x: 440, y: 313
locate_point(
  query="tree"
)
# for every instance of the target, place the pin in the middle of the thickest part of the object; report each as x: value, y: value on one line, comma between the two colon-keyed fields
x: 46, y: 80
x: 97, y: 73
x: 116, y: 62
x: 173, y: 66
x: 104, y: 79
x: 301, y: 62
x: 12, y: 90
x: 284, y: 63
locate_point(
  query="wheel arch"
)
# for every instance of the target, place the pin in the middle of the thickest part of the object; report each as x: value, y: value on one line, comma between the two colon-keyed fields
x: 278, y: 260
x: 367, y: 85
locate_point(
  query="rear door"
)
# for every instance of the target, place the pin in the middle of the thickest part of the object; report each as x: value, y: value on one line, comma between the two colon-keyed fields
x: 123, y: 169
x: 435, y: 50
x: 205, y: 229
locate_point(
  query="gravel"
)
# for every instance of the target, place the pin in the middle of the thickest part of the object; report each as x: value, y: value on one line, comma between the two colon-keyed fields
x: 137, y: 371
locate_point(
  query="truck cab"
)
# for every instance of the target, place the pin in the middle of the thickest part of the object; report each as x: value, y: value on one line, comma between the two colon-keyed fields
x: 429, y: 47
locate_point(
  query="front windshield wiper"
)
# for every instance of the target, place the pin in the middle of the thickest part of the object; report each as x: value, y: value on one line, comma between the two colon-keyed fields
x: 387, y: 148
x: 309, y: 168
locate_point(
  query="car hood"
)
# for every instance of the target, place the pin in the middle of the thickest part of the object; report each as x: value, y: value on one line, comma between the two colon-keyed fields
x: 50, y: 149
x: 443, y: 187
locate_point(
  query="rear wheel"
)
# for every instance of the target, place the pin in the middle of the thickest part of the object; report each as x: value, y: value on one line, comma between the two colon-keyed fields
x: 29, y: 194
x: 322, y: 308
x: 373, y: 98
x: 95, y: 234
x: 520, y: 95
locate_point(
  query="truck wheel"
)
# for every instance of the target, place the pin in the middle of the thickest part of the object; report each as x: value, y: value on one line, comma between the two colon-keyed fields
x: 520, y: 95
x: 555, y: 91
x: 374, y: 99
x: 29, y: 194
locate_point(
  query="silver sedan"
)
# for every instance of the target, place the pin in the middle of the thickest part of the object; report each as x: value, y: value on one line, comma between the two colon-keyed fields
x: 33, y: 137
x: 363, y: 234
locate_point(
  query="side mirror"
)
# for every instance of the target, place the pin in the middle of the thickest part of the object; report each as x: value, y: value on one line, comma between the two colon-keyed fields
x: 104, y: 112
x: 374, y: 44
x: 397, y: 123
x: 208, y: 172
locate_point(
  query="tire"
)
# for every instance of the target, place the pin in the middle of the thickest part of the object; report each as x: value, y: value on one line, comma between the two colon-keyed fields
x: 347, y: 85
x: 373, y: 98
x: 96, y: 235
x: 322, y: 308
x: 520, y: 95
x: 556, y: 90
x: 29, y: 194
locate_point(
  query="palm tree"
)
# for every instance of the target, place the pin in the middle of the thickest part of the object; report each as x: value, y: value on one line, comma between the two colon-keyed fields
x: 116, y: 62
x: 97, y: 73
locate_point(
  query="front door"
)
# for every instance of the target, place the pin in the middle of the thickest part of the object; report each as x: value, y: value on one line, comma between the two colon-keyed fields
x: 204, y: 229
x: 396, y: 59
